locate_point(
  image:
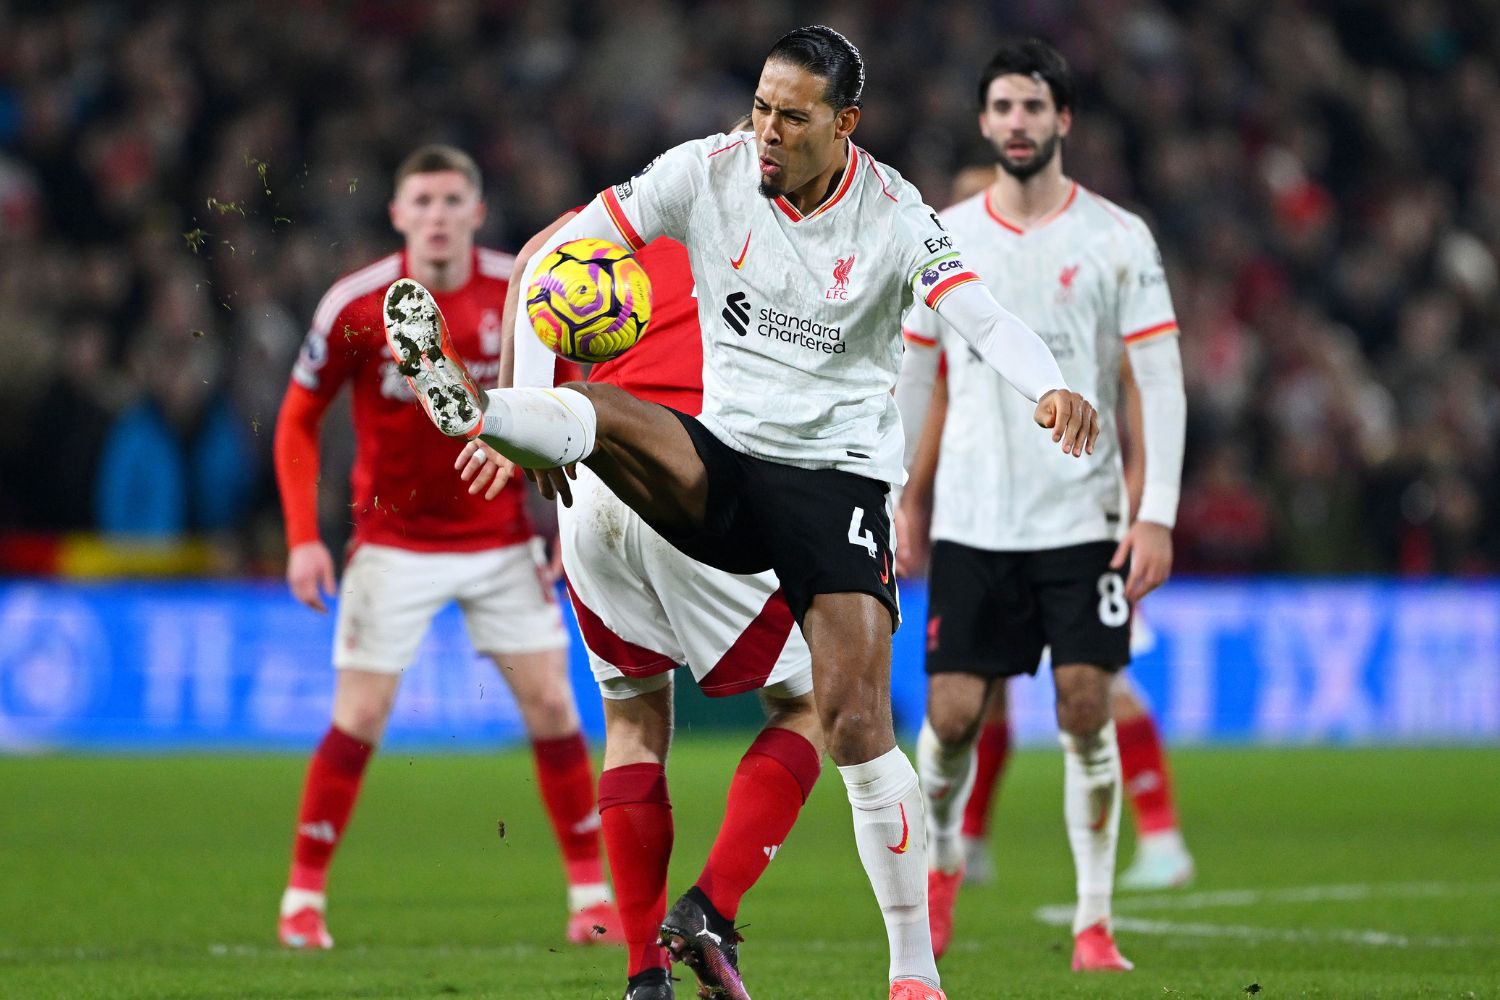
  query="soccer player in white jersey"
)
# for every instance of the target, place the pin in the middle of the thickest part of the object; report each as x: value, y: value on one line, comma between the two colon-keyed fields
x: 1029, y: 551
x: 805, y: 253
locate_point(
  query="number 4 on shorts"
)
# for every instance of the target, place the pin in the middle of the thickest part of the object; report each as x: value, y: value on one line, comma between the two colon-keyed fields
x: 858, y: 537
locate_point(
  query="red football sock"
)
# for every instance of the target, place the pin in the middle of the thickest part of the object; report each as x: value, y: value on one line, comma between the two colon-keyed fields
x: 772, y: 782
x: 566, y: 779
x: 994, y: 750
x: 637, y: 819
x: 333, y: 778
x: 1144, y: 768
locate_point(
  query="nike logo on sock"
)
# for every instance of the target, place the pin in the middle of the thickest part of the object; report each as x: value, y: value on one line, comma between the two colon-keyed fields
x: 321, y: 830
x: 588, y: 824
x: 905, y: 835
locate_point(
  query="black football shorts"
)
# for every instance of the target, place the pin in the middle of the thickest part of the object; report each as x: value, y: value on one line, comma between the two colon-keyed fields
x: 991, y: 613
x: 824, y: 531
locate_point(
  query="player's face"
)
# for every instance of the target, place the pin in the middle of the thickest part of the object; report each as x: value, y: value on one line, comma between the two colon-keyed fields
x: 438, y: 213
x: 1023, y: 124
x: 798, y: 135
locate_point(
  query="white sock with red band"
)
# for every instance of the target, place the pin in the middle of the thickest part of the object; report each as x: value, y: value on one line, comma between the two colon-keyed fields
x: 890, y: 830
x: 1091, y: 809
x: 540, y: 428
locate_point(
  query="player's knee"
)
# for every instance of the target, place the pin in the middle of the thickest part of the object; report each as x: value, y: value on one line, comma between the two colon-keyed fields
x: 550, y: 713
x: 954, y: 727
x: 854, y: 732
x: 363, y: 718
x: 1082, y: 711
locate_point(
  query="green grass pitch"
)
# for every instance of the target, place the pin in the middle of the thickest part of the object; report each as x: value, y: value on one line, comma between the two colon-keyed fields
x: 1322, y: 873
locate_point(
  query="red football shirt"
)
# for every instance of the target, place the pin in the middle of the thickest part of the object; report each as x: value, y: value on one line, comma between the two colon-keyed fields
x: 667, y: 365
x: 406, y: 492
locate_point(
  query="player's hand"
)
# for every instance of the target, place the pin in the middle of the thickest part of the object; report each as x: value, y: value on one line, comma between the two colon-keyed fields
x: 912, y: 543
x: 1148, y: 545
x: 483, y: 468
x: 309, y: 572
x: 1073, y: 420
x: 552, y: 483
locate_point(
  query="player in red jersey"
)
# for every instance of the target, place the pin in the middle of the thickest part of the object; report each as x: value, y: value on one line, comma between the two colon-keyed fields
x: 644, y: 608
x: 420, y: 541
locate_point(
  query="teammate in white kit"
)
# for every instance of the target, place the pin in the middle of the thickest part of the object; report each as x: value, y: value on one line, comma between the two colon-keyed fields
x: 1030, y: 551
x: 805, y: 253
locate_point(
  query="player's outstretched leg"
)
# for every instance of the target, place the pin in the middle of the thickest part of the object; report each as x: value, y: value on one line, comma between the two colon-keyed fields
x: 535, y: 428
x: 1091, y: 810
x: 993, y: 751
x: 1161, y: 860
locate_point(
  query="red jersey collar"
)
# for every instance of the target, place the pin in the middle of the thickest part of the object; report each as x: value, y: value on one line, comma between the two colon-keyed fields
x: 790, y: 210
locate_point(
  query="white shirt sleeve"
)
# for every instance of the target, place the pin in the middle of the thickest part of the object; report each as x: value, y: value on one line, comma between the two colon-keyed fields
x: 1157, y: 364
x: 1000, y: 338
x: 943, y: 282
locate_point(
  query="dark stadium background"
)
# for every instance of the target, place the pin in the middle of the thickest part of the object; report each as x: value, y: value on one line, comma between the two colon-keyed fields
x: 180, y: 182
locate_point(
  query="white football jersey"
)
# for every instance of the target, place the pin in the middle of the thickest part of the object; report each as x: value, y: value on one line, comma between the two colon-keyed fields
x: 1089, y: 280
x: 801, y: 315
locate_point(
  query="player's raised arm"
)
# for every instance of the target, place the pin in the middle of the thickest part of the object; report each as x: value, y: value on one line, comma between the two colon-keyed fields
x: 537, y: 368
x: 1021, y: 357
x: 655, y: 202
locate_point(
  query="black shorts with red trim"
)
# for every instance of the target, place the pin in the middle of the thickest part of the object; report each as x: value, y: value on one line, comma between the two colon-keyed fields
x: 824, y: 531
x: 991, y: 613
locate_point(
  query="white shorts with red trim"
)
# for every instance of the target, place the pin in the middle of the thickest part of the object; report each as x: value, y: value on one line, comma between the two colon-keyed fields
x: 644, y: 608
x: 388, y: 598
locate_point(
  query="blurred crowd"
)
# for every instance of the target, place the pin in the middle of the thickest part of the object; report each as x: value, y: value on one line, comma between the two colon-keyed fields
x: 180, y: 182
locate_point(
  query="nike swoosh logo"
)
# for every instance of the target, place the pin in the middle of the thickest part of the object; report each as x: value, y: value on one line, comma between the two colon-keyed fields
x: 885, y: 570
x: 905, y: 835
x: 744, y: 251
x: 1102, y: 814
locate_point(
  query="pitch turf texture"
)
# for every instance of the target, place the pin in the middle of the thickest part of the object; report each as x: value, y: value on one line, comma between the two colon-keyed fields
x: 1356, y: 873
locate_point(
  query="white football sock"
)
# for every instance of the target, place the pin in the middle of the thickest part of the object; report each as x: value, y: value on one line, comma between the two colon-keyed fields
x: 889, y: 830
x: 540, y: 428
x: 293, y: 900
x: 586, y: 894
x: 1091, y: 809
x: 947, y: 779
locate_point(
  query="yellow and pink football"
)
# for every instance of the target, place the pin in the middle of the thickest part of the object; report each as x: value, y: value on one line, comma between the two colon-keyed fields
x: 589, y: 300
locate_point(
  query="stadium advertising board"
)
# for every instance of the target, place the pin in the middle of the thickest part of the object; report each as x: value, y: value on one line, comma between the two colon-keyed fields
x: 233, y: 665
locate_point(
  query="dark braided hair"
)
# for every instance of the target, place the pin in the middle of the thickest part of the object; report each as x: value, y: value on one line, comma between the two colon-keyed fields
x: 825, y: 53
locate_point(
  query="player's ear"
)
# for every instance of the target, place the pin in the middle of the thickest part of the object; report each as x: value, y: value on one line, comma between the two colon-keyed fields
x: 395, y: 219
x: 1064, y: 122
x: 481, y: 212
x: 844, y: 122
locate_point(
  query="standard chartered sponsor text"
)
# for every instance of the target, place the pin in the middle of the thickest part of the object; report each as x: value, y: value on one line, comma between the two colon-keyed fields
x: 798, y: 330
